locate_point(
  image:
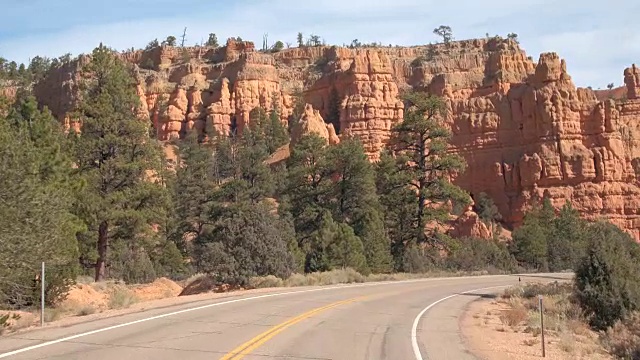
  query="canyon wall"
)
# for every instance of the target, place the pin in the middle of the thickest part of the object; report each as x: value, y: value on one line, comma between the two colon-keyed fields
x: 523, y: 127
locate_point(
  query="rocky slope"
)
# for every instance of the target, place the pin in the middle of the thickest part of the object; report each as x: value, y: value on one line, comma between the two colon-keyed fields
x: 523, y: 127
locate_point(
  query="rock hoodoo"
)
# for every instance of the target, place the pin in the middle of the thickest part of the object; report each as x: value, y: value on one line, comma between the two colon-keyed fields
x: 525, y: 130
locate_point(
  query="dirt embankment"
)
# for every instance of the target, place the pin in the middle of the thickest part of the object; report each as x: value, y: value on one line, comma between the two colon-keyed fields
x: 509, y: 329
x: 85, y: 299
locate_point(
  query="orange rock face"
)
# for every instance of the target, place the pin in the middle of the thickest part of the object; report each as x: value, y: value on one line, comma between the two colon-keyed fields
x: 523, y: 127
x: 469, y: 225
x: 526, y: 132
x: 359, y: 96
x: 312, y: 123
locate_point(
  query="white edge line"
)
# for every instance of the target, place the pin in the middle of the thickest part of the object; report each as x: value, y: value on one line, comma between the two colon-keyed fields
x: 53, y: 342
x: 414, y: 329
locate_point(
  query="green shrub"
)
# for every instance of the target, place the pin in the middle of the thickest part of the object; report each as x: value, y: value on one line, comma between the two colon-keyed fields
x: 471, y: 254
x: 607, y: 285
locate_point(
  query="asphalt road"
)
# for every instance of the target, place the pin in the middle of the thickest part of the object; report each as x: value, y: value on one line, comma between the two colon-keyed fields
x: 401, y: 320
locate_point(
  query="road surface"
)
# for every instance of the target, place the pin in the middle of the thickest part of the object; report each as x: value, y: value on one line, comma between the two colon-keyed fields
x: 401, y: 320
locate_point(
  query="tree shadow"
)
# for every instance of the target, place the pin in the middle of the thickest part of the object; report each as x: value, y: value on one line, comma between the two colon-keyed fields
x: 544, y: 276
x: 481, y: 295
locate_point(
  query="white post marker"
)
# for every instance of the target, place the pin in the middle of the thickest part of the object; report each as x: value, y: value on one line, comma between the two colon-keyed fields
x: 42, y: 296
x: 542, y: 324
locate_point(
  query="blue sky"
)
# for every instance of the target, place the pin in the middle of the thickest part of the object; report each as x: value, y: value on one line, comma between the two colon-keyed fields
x: 597, y: 38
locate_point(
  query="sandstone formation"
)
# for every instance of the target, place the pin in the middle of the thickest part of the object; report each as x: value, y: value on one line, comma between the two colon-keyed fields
x: 469, y: 225
x: 311, y: 122
x: 523, y: 127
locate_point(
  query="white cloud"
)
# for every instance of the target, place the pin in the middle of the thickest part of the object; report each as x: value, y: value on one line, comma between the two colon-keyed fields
x: 597, y: 41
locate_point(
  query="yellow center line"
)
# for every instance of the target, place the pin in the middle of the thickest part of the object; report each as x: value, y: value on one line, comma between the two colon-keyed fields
x: 246, y: 348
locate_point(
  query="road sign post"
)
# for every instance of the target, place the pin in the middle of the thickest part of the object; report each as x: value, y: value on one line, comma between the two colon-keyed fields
x: 542, y: 324
x: 42, y: 296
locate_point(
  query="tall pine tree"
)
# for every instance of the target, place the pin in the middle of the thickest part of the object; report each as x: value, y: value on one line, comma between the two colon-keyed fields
x: 356, y: 201
x: 196, y: 178
x: 36, y: 193
x: 398, y: 204
x: 116, y: 159
x: 424, y: 165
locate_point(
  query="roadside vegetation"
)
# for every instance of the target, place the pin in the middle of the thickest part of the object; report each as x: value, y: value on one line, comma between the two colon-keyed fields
x: 598, y: 311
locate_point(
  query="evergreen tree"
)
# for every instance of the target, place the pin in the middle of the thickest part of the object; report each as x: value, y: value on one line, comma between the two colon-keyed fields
x: 530, y: 241
x: 278, y: 46
x: 192, y: 194
x: 334, y: 245
x: 427, y: 165
x: 309, y: 187
x: 268, y: 128
x: 356, y: 201
x: 308, y: 190
x: 345, y: 249
x: 486, y: 209
x: 250, y: 241
x: 606, y: 280
x: 36, y: 193
x: 213, y: 40
x: 471, y: 254
x: 566, y: 245
x: 300, y: 40
x: 277, y: 132
x: 116, y: 159
x: 170, y: 41
x: 398, y: 204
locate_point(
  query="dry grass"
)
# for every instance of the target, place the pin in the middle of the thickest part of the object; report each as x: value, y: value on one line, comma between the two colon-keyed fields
x: 349, y: 276
x: 202, y: 283
x: 85, y: 310
x: 265, y: 282
x: 121, y: 298
x: 85, y: 279
x: 623, y: 339
x: 52, y: 314
x: 514, y: 316
x: 511, y: 326
x: 567, y: 342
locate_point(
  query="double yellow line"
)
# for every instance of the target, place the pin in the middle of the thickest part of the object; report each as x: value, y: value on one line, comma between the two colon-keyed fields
x: 246, y: 348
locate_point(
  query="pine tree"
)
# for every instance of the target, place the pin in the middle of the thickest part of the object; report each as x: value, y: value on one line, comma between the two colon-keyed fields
x: 116, y: 159
x: 300, y: 40
x: 398, y: 204
x: 530, y: 241
x: 356, y: 201
x: 607, y: 286
x: 346, y: 250
x: 424, y: 142
x: 566, y: 245
x: 192, y: 198
x: 277, y: 132
x: 267, y: 127
x: 36, y: 193
x: 309, y: 186
x: 213, y: 40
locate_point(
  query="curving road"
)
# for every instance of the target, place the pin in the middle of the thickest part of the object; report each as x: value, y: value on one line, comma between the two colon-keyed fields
x: 400, y: 320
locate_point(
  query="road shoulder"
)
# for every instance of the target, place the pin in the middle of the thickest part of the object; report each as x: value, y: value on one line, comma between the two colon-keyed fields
x: 487, y: 337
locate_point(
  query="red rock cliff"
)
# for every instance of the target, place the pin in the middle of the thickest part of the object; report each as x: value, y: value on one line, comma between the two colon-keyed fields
x: 524, y: 128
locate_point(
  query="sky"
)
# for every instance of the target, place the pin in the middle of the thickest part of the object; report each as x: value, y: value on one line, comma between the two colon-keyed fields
x: 598, y: 39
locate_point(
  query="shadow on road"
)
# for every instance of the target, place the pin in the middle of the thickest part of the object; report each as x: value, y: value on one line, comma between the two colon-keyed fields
x: 485, y: 296
x: 568, y: 276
